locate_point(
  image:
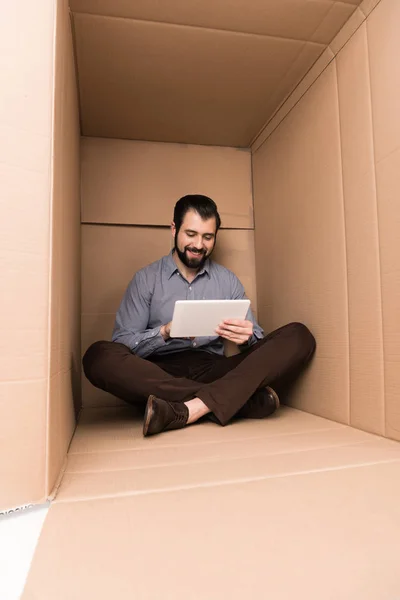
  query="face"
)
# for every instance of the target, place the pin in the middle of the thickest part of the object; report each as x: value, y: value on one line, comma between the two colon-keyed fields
x: 195, y: 240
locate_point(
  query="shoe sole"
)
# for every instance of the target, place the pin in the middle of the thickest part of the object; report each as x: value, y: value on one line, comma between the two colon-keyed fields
x: 148, y: 414
x: 275, y: 396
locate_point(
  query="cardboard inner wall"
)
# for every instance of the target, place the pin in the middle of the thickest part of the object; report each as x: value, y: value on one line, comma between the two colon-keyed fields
x: 326, y: 186
x: 218, y: 70
x: 64, y: 399
x: 40, y: 240
x: 26, y: 138
x: 128, y: 193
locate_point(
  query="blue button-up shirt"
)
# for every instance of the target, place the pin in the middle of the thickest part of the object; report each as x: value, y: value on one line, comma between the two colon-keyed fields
x: 149, y: 303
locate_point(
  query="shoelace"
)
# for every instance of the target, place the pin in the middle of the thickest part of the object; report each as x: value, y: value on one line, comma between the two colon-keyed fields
x: 181, y: 415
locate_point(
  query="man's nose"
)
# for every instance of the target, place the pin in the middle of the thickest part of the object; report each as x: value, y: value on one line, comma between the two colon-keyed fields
x: 198, y: 244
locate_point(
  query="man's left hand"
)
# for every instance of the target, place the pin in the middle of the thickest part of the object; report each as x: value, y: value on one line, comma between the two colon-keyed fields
x: 235, y: 330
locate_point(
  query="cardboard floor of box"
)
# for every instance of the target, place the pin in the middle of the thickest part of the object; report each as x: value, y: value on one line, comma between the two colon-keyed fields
x: 294, y: 506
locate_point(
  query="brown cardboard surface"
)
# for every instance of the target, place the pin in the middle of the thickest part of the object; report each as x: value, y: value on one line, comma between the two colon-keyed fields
x: 25, y: 158
x: 334, y: 21
x: 363, y: 276
x: 388, y: 184
x: 368, y: 96
x: 170, y: 453
x: 293, y: 75
x: 211, y: 457
x: 116, y: 429
x: 319, y: 504
x: 296, y: 19
x: 111, y: 255
x: 23, y: 442
x: 301, y: 263
x: 367, y: 6
x: 62, y: 421
x: 319, y: 66
x: 138, y: 183
x: 383, y: 39
x: 347, y: 31
x: 64, y: 388
x: 332, y: 533
x: 152, y: 81
x: 336, y: 44
x: 167, y: 477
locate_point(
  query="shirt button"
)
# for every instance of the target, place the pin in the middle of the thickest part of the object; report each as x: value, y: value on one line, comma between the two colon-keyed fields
x: 190, y: 289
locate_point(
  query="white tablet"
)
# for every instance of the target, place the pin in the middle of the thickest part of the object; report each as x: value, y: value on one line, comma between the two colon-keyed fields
x: 200, y: 318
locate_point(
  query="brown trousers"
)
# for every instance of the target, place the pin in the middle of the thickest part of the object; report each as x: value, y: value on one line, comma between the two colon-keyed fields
x: 224, y: 384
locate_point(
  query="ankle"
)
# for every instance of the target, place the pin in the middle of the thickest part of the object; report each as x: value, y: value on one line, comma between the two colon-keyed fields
x: 197, y: 409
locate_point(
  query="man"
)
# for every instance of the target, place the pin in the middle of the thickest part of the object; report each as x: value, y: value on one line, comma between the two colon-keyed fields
x: 183, y: 380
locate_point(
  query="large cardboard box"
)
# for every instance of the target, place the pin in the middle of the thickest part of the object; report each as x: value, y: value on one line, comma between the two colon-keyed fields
x: 286, y: 113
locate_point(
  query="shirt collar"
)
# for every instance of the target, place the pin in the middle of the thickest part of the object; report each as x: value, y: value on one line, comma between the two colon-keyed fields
x: 171, y: 267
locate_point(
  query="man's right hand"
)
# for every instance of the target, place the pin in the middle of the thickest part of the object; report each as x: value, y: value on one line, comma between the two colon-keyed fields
x: 165, y: 330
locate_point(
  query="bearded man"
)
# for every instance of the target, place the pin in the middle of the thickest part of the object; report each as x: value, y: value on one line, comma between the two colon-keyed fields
x: 180, y: 381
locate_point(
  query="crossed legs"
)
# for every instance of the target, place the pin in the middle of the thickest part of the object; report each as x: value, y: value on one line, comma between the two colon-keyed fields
x: 201, y: 381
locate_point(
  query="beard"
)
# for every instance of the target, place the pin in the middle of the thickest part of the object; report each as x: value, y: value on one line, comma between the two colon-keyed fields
x: 192, y: 262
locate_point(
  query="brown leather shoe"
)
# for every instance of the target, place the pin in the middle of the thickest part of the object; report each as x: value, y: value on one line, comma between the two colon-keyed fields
x: 161, y: 415
x: 262, y: 403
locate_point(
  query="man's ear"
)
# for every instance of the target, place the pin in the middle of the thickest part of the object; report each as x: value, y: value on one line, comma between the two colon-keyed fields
x: 173, y: 229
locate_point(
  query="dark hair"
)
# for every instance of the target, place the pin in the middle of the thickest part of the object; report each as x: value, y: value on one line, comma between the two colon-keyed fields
x: 203, y: 205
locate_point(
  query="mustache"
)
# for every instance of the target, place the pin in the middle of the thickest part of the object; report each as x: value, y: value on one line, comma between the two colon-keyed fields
x: 195, y: 251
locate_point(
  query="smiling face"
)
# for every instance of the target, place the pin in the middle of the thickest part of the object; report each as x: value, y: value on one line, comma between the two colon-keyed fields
x: 195, y: 240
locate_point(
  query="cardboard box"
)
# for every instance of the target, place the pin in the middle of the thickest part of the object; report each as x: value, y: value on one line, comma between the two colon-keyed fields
x: 287, y: 115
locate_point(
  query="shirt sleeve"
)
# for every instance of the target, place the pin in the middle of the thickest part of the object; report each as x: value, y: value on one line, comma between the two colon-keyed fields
x: 132, y: 319
x: 238, y: 293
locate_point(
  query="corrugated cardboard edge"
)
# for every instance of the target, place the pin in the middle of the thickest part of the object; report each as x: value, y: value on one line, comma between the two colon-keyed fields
x: 339, y: 41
